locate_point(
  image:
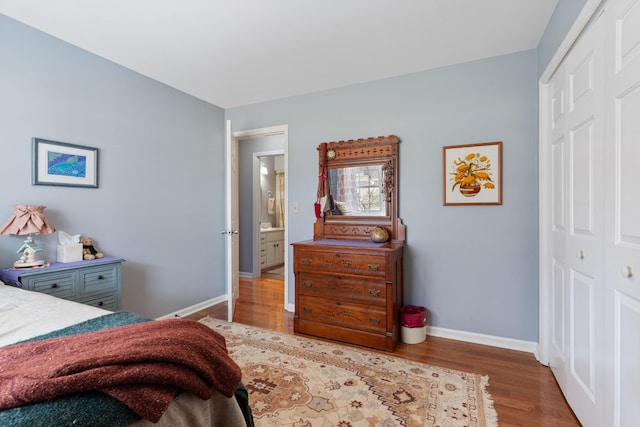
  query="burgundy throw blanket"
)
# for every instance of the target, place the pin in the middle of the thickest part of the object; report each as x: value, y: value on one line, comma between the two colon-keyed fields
x: 143, y: 365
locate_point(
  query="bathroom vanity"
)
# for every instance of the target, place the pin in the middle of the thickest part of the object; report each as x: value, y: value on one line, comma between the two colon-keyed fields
x: 271, y: 247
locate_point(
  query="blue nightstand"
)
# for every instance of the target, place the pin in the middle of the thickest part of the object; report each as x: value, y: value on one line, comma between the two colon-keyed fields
x: 96, y: 282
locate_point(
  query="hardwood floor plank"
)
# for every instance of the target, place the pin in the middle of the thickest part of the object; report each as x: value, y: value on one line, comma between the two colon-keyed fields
x: 525, y: 392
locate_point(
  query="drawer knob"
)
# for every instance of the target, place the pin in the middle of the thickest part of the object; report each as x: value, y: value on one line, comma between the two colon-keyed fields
x: 306, y: 261
x: 374, y: 267
x: 374, y: 292
x: 374, y: 320
x: 308, y: 283
x: 101, y: 277
x: 100, y: 304
x: 307, y: 309
x: 54, y: 285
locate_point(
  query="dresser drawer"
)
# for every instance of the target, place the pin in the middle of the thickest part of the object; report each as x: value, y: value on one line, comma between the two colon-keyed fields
x: 106, y: 301
x: 57, y: 284
x: 343, y: 288
x: 354, y: 316
x: 341, y: 262
x: 98, y: 279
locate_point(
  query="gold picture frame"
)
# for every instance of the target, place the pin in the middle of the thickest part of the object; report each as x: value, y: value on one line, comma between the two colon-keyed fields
x: 472, y: 174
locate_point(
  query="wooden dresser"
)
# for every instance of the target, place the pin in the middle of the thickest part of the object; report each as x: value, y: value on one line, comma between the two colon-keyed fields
x: 349, y: 288
x: 349, y: 291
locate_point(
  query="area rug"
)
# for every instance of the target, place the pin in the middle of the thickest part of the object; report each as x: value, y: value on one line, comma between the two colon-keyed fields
x: 304, y: 382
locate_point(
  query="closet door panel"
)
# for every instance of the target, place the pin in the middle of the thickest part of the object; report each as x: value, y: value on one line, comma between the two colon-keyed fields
x: 623, y: 264
x: 626, y: 136
x: 584, y: 241
x: 558, y: 295
x: 623, y: 246
x: 582, y: 339
x: 559, y: 317
x: 627, y: 370
x: 582, y: 180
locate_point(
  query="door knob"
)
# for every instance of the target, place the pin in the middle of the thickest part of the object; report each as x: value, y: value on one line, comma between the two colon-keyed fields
x: 627, y: 272
x: 229, y: 232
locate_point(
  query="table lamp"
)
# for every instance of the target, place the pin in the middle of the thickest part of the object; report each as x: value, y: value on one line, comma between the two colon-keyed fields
x: 25, y: 221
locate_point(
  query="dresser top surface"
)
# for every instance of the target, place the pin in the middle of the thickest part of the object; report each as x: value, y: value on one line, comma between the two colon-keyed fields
x: 12, y: 274
x: 340, y: 243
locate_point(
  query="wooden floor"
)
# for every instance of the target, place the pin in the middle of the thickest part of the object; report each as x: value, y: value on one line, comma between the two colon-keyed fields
x: 525, y: 392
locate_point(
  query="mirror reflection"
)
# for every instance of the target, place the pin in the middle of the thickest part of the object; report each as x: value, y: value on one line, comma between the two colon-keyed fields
x: 357, y: 190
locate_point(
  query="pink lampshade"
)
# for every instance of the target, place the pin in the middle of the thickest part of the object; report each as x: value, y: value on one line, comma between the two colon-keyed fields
x: 27, y: 219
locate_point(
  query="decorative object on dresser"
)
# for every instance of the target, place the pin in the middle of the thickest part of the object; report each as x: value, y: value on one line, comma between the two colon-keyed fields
x: 96, y: 282
x: 25, y: 221
x: 348, y: 287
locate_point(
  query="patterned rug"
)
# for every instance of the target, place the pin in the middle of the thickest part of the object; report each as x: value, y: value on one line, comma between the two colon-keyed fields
x: 302, y: 382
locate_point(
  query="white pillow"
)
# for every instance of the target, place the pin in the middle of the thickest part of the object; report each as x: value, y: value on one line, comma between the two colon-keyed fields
x: 344, y: 208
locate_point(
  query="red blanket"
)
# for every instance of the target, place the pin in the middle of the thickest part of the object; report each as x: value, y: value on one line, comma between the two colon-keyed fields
x: 143, y: 365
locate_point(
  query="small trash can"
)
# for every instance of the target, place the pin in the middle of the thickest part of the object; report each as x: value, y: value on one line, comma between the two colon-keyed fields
x: 413, y: 324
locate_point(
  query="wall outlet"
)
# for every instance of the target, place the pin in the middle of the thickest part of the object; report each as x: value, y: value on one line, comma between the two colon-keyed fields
x: 294, y: 207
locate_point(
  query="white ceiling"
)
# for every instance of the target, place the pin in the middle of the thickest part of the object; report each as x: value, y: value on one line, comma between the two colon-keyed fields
x: 238, y: 52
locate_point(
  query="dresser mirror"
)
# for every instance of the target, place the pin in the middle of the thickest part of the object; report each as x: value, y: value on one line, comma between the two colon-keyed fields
x: 357, y: 191
x: 360, y: 186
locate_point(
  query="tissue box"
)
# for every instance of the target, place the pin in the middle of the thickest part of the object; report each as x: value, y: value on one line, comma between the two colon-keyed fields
x: 69, y: 253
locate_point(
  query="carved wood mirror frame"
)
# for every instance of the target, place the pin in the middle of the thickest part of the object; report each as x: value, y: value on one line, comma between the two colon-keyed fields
x: 382, y: 150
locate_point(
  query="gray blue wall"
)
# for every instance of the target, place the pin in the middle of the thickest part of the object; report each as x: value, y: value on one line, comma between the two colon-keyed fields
x: 474, y: 268
x: 563, y: 17
x: 160, y: 204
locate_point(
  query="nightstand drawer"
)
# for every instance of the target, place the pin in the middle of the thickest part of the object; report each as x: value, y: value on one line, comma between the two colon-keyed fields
x: 98, y: 279
x: 106, y: 301
x: 56, y: 284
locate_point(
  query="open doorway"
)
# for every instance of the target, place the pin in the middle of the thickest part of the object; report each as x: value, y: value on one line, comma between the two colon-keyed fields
x: 269, y: 208
x: 253, y: 145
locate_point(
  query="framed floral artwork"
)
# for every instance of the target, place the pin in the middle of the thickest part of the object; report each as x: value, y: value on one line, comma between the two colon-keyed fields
x: 472, y: 174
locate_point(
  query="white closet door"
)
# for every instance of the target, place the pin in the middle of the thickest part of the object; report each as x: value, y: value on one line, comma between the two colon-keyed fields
x: 577, y: 225
x: 623, y: 236
x: 556, y: 265
x: 585, y: 132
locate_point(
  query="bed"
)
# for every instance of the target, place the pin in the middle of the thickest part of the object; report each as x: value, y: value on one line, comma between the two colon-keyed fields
x: 31, y: 316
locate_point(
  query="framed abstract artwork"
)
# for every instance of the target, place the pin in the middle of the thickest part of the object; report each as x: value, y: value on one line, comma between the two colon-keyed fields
x: 59, y: 163
x: 472, y: 174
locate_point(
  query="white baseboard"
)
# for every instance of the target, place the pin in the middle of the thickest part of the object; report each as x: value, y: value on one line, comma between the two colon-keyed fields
x: 245, y: 275
x: 492, y: 340
x: 206, y: 304
x: 434, y: 331
x: 194, y: 308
